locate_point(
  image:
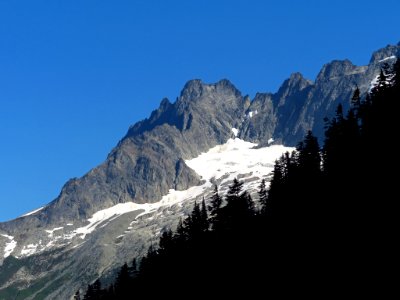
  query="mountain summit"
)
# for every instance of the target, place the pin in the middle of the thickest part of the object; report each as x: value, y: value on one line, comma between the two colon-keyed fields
x: 160, y: 167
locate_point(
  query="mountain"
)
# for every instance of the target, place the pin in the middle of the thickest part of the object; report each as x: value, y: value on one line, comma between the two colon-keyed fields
x: 209, y: 135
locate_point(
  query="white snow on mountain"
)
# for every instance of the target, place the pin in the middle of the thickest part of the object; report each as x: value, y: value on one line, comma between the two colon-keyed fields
x: 29, y: 249
x: 9, y: 248
x: 388, y: 58
x: 235, y: 158
x: 51, y: 231
x: 252, y: 113
x: 374, y: 82
x: 235, y: 131
x: 33, y: 211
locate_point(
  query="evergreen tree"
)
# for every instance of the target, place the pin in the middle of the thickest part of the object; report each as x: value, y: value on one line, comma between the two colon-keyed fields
x: 215, y: 203
x: 263, y: 196
x: 122, y: 283
x: 382, y: 82
x: 181, y: 232
x: 166, y: 240
x: 339, y: 112
x: 356, y: 100
x: 193, y: 222
x: 204, y: 217
x: 239, y: 208
x: 234, y: 190
x: 134, y: 265
x: 309, y: 158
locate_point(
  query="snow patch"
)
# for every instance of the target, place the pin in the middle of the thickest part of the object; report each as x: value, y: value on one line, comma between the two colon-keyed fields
x: 236, y: 157
x: 29, y: 249
x: 270, y: 141
x: 106, y: 214
x: 10, y: 246
x: 79, y: 245
x: 235, y: 131
x: 374, y: 82
x: 252, y: 113
x: 51, y: 231
x: 33, y: 211
x: 109, y: 214
x: 387, y: 58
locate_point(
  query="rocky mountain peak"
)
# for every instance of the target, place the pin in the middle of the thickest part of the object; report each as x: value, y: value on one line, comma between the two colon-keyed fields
x: 385, y: 53
x: 294, y: 84
x: 297, y: 80
x: 164, y: 104
x: 226, y: 85
x: 195, y: 90
x: 335, y: 69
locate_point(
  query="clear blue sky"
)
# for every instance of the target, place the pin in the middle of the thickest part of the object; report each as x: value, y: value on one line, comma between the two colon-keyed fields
x: 75, y: 74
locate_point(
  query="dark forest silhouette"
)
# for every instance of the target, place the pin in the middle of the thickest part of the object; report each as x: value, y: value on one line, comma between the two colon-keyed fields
x: 326, y: 225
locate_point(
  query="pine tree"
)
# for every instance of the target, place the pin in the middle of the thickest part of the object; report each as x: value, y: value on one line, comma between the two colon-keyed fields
x: 249, y: 204
x: 122, y: 282
x: 263, y: 196
x: 204, y: 217
x: 181, y: 232
x: 309, y: 158
x: 339, y: 112
x: 238, y: 210
x: 381, y: 85
x: 234, y: 190
x: 215, y: 203
x: 356, y: 98
x: 279, y: 193
x: 134, y: 265
x: 356, y: 101
x: 193, y: 222
x: 166, y: 240
x: 196, y: 214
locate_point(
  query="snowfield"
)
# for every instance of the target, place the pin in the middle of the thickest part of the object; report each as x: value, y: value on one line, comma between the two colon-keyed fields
x: 221, y: 164
x: 236, y: 157
x: 9, y: 248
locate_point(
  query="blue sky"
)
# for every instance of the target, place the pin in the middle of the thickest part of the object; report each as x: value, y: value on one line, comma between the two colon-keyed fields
x: 74, y: 75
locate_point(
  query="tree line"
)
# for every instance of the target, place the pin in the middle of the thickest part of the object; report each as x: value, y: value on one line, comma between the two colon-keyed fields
x: 326, y: 225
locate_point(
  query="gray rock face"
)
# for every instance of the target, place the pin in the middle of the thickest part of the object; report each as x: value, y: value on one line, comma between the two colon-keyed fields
x: 301, y: 105
x: 148, y: 162
x: 260, y: 120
